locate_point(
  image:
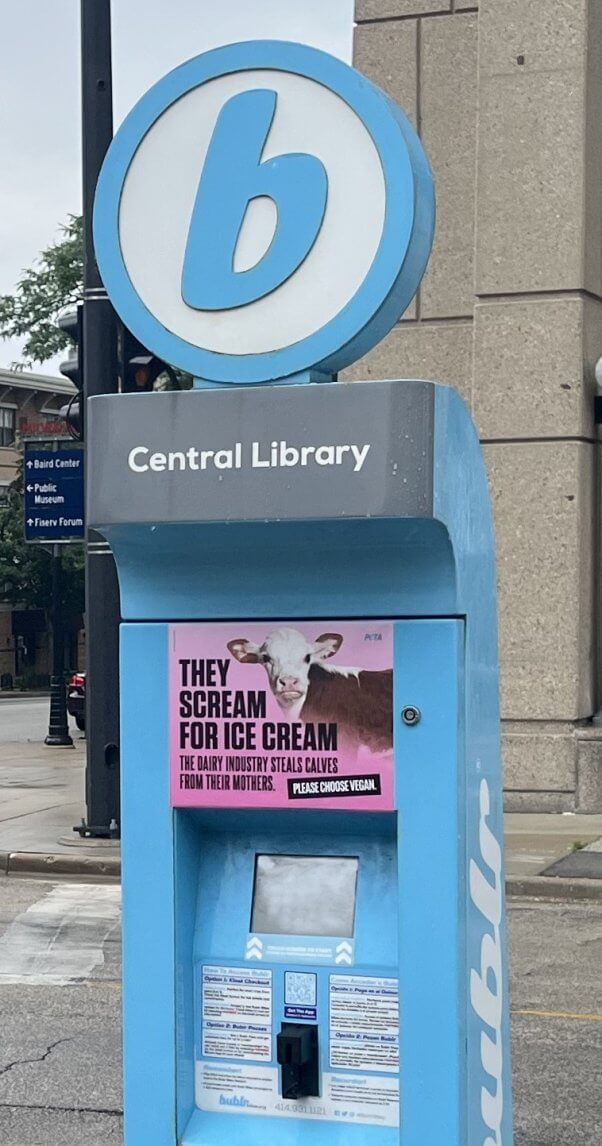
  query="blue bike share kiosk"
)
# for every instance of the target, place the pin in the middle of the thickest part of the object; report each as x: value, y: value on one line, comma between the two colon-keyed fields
x: 314, y: 942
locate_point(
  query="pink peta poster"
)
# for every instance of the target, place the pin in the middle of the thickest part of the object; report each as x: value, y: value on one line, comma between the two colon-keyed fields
x: 282, y: 715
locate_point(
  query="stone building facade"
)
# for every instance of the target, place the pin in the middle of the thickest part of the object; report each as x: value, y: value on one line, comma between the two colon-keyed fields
x: 507, y: 96
x: 30, y: 406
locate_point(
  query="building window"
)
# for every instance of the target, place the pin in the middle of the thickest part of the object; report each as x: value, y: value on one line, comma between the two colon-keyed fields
x: 4, y: 488
x: 7, y: 426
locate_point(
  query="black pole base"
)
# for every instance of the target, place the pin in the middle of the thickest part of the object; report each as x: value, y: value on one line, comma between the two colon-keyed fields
x: 97, y: 831
x: 58, y: 726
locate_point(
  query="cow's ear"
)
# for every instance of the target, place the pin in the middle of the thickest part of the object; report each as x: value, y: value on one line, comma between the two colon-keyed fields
x: 327, y: 645
x: 244, y: 651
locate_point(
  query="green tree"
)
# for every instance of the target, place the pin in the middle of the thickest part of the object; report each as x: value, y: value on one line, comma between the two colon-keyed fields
x: 54, y: 283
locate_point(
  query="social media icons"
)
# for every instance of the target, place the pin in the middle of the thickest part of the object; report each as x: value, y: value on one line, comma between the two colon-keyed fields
x: 263, y: 212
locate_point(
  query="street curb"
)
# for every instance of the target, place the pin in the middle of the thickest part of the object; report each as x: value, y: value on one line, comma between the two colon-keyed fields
x: 47, y: 865
x: 24, y: 694
x: 553, y: 887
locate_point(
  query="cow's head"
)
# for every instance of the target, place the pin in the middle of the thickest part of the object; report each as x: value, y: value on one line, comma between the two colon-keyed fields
x: 287, y: 657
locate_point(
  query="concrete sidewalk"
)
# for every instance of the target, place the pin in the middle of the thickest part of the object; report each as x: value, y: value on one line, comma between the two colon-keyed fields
x: 42, y: 799
x: 536, y: 841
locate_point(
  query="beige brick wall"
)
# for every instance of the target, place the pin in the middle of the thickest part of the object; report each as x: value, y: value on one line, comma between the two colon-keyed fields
x: 506, y: 96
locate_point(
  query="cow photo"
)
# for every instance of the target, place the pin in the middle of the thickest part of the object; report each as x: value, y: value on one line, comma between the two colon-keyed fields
x: 309, y: 685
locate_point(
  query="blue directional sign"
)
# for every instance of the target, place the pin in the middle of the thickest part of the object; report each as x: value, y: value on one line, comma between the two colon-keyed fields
x: 53, y: 484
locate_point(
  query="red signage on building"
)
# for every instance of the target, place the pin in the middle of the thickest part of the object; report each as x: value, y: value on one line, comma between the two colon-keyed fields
x: 43, y: 428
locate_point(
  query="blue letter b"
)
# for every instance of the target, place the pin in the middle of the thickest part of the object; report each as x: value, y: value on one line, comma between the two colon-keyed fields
x: 233, y: 175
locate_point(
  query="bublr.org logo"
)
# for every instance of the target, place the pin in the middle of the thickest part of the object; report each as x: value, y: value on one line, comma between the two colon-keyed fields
x: 265, y: 212
x: 237, y: 1100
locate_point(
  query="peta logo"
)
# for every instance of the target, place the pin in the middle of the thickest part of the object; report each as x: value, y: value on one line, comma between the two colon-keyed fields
x: 264, y: 212
x: 486, y: 984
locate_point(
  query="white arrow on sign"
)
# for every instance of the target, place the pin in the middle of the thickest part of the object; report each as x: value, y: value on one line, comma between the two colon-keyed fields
x: 29, y: 488
x: 29, y: 465
x: 30, y: 520
x: 343, y: 953
x: 254, y: 948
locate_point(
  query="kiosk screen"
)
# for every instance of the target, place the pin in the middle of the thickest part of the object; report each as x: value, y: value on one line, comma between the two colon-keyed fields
x: 305, y: 895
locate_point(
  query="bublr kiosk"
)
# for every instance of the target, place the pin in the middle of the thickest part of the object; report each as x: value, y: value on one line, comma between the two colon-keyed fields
x: 314, y: 945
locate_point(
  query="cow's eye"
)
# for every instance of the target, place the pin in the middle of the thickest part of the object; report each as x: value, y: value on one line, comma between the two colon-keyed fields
x: 266, y: 659
x: 308, y: 658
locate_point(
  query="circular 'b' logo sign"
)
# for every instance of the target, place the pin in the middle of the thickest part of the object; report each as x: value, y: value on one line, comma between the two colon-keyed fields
x: 264, y: 211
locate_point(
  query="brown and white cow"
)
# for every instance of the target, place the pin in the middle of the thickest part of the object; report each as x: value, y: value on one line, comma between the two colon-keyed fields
x: 307, y: 688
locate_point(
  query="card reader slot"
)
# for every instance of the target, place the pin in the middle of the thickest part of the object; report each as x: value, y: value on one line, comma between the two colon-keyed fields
x: 297, y: 1055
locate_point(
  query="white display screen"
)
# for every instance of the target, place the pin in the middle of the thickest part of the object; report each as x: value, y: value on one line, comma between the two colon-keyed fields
x: 305, y: 895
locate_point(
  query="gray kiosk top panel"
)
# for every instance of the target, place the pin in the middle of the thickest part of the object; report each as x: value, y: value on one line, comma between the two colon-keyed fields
x: 267, y: 453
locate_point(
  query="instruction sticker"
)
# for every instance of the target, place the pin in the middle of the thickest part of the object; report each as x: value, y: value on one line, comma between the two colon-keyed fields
x: 314, y: 949
x: 364, y: 1023
x: 226, y: 1088
x: 237, y: 1013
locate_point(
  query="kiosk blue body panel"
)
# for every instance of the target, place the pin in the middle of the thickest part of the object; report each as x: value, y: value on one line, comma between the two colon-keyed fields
x: 314, y: 944
x: 204, y: 1020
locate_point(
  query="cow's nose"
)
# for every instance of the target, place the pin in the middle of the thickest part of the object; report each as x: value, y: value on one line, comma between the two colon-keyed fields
x: 289, y: 681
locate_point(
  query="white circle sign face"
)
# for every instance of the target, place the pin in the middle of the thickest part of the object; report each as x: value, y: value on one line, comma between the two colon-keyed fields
x: 263, y: 211
x: 159, y: 195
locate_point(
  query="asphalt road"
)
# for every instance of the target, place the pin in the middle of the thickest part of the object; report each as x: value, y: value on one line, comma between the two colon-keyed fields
x: 60, y: 1023
x: 60, y: 1057
x: 556, y: 999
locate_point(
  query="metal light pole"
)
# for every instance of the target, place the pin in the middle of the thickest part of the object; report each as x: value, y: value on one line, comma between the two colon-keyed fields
x: 100, y: 377
x: 58, y: 725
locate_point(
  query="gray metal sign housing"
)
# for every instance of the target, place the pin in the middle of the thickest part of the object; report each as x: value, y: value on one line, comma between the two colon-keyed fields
x: 276, y: 453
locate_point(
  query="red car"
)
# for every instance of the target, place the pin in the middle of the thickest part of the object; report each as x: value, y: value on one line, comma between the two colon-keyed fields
x: 76, y: 699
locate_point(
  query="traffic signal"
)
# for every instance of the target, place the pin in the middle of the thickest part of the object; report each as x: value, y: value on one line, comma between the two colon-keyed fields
x: 71, y: 323
x: 139, y: 369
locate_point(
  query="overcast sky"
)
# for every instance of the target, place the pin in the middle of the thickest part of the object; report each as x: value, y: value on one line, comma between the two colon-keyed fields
x: 40, y: 180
